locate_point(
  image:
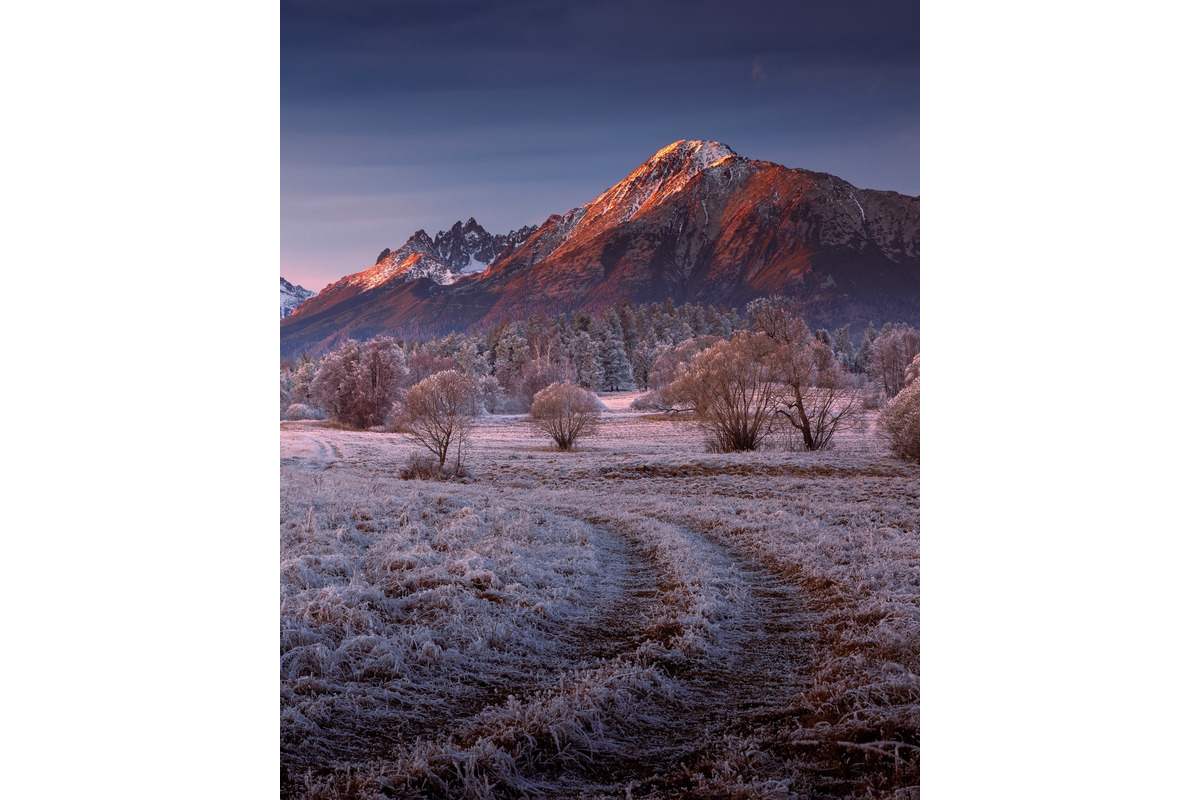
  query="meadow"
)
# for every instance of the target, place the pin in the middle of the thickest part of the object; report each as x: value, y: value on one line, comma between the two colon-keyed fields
x: 638, y: 618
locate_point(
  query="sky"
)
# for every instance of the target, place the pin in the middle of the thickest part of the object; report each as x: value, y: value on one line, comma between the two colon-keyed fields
x: 399, y: 116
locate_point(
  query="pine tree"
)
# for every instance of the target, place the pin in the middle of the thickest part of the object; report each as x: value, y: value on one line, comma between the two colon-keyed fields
x: 617, y: 372
x: 843, y: 347
x: 862, y: 359
x: 642, y: 363
x: 585, y: 354
x: 719, y: 323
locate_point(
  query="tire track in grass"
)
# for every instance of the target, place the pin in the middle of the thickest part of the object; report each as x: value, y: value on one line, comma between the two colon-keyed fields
x: 308, y: 445
x: 737, y: 651
x: 540, y: 730
x: 760, y: 641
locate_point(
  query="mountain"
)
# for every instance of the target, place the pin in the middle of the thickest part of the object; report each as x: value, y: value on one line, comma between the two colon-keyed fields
x: 696, y: 222
x: 459, y: 251
x: 291, y: 296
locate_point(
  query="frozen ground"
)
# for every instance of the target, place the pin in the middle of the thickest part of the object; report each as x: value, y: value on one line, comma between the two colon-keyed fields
x: 636, y: 619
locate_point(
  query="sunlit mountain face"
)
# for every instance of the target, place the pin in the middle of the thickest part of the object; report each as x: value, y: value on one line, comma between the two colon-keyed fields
x: 695, y: 223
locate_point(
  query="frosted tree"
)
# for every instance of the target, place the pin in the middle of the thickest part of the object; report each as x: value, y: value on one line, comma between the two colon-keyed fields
x: 357, y: 384
x: 676, y: 329
x: 629, y: 328
x: 439, y: 414
x: 892, y: 353
x: 383, y: 370
x: 667, y: 363
x: 818, y: 394
x: 843, y: 348
x: 471, y: 360
x: 285, y: 391
x: 642, y: 363
x: 566, y: 413
x: 718, y: 323
x: 537, y: 375
x: 337, y: 388
x: 302, y: 378
x: 862, y: 359
x: 489, y: 392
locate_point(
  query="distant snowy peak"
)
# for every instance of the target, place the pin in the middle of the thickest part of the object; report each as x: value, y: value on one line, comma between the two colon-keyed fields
x: 468, y: 248
x: 464, y: 249
x: 291, y: 296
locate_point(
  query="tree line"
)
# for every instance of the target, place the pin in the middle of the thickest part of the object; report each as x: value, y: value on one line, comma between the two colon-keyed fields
x: 739, y: 375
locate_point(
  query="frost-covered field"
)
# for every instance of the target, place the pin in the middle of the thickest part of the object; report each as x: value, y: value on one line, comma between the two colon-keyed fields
x: 636, y: 619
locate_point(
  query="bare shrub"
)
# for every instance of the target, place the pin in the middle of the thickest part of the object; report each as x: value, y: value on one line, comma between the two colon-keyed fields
x: 421, y: 466
x: 300, y: 411
x: 439, y: 414
x: 566, y: 413
x: 786, y: 440
x: 731, y: 389
x: 900, y: 422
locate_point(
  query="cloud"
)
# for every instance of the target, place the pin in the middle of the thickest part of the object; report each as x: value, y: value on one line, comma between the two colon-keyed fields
x: 758, y: 73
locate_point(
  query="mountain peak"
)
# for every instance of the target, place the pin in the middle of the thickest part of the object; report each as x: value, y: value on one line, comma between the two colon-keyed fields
x: 659, y: 177
x: 696, y: 153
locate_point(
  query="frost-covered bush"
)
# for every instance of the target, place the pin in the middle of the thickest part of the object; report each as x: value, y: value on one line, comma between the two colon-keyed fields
x: 300, y: 411
x: 900, y: 422
x: 566, y: 413
x: 421, y: 466
x: 913, y: 371
x: 731, y: 388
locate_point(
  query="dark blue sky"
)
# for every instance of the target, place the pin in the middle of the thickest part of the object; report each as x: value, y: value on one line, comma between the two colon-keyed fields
x: 404, y: 115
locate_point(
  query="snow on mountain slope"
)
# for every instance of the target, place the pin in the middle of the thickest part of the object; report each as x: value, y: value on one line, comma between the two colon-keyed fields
x: 662, y: 175
x: 291, y: 296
